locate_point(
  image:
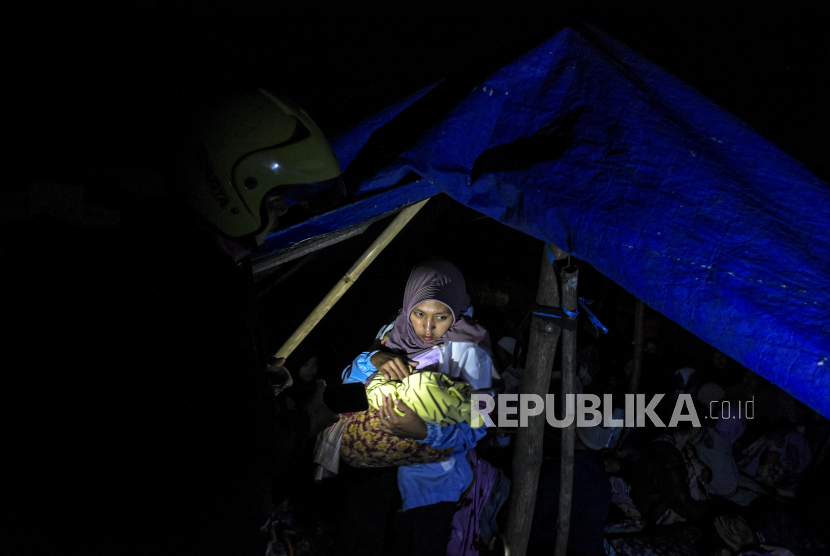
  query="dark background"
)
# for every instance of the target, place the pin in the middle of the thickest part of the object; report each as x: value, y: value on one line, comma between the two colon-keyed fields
x: 97, y: 89
x: 105, y: 83
x: 107, y: 79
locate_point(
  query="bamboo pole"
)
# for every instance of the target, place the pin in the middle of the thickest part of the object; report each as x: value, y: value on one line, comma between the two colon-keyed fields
x: 570, y: 278
x: 349, y: 278
x: 639, y: 324
x: 527, y: 456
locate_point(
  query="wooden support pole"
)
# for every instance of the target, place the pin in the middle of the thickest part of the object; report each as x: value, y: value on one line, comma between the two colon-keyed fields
x: 527, y: 456
x: 401, y: 220
x: 639, y: 324
x: 570, y: 279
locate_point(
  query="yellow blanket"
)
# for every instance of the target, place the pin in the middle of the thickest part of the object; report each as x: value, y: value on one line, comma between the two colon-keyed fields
x: 433, y: 396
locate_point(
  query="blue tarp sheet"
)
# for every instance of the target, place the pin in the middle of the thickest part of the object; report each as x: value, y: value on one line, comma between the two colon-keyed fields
x: 583, y: 143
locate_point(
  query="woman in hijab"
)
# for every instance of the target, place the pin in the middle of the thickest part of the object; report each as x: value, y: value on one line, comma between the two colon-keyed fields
x: 432, y: 330
x: 435, y: 314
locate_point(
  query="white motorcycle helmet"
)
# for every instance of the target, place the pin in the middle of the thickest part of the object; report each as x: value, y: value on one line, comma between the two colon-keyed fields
x: 244, y: 148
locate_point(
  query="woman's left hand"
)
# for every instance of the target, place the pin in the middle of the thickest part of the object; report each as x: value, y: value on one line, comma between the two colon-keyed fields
x: 407, y: 426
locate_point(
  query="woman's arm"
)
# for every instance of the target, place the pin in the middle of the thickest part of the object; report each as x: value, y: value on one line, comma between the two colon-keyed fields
x: 361, y: 368
x: 391, y: 366
x: 460, y: 436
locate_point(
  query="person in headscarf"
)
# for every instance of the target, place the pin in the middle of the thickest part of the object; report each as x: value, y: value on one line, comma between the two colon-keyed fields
x: 433, y: 330
x: 433, y: 357
x: 777, y: 460
x: 435, y: 327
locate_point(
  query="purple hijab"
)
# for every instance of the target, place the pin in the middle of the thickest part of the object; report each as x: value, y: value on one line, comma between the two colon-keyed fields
x: 441, y: 281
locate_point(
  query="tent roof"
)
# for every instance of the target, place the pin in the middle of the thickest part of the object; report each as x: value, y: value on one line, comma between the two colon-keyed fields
x: 583, y: 143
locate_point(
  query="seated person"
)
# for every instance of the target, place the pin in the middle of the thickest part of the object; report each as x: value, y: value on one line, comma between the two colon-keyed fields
x: 700, y: 474
x: 661, y: 486
x: 715, y: 448
x: 763, y: 529
x: 777, y: 460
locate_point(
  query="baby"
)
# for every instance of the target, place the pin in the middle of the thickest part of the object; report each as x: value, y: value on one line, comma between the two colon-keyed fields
x: 435, y: 397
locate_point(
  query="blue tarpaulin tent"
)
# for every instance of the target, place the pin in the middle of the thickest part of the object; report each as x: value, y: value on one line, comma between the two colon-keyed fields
x: 583, y: 143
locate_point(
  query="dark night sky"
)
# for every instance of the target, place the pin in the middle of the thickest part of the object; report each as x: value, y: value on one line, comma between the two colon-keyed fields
x: 106, y: 80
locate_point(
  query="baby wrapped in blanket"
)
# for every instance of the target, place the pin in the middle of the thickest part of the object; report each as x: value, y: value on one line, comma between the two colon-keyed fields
x: 452, y: 360
x: 432, y: 394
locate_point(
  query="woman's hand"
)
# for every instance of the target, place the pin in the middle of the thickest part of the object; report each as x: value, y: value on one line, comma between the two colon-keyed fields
x: 408, y: 426
x: 391, y: 366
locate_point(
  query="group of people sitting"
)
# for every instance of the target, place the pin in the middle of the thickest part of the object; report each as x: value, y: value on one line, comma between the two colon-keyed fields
x: 710, y: 490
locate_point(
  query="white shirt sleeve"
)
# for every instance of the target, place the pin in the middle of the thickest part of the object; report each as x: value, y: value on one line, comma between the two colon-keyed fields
x: 469, y: 361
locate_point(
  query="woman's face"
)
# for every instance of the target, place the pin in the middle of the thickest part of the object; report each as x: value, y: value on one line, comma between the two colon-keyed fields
x: 431, y: 320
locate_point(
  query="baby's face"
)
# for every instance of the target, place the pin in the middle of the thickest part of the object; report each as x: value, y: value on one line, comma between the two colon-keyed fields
x: 431, y: 320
